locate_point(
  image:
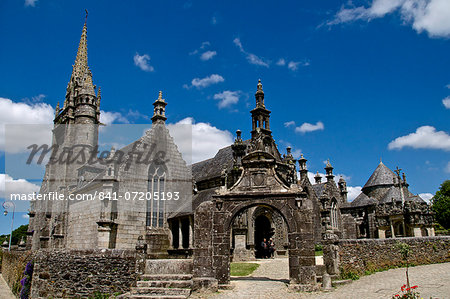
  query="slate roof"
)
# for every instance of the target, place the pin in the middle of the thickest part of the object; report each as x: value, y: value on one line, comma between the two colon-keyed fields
x: 394, y: 193
x: 362, y: 200
x: 318, y: 189
x: 197, y: 200
x: 381, y: 176
x: 213, y: 167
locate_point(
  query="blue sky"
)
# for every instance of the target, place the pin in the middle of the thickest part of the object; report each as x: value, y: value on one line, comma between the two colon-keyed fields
x: 352, y: 82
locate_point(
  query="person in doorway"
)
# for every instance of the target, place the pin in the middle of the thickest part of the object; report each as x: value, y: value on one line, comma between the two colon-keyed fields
x: 265, y: 249
x: 271, y: 248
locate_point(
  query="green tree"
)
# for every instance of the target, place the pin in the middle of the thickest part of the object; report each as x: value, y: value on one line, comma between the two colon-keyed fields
x: 17, y: 234
x: 441, y: 204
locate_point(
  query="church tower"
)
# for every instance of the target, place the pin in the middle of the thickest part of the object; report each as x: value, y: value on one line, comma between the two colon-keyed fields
x: 82, y: 104
x: 75, y: 138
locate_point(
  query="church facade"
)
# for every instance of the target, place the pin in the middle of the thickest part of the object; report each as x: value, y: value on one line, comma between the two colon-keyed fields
x: 247, y: 192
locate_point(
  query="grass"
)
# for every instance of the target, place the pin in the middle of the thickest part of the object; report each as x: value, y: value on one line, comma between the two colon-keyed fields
x: 243, y: 269
x: 319, y: 253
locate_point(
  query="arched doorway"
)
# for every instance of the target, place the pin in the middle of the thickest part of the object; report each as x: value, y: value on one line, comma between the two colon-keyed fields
x: 263, y: 230
x: 213, y: 234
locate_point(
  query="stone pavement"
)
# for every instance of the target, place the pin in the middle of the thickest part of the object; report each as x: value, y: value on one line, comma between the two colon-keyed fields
x: 5, y: 292
x: 271, y: 278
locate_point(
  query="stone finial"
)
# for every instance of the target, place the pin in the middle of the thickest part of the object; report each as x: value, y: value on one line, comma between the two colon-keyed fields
x: 318, y: 178
x: 112, y: 152
x: 159, y: 110
x: 259, y: 86
x: 259, y: 95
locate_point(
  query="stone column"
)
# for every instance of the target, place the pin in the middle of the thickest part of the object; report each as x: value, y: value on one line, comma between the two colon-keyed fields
x: 180, y: 235
x: 431, y: 231
x: 191, y: 233
x: 392, y: 228
x: 170, y: 235
x: 204, y: 273
x: 417, y: 232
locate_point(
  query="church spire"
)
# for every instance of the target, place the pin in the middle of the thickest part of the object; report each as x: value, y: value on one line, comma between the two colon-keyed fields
x: 81, y: 78
x: 81, y: 63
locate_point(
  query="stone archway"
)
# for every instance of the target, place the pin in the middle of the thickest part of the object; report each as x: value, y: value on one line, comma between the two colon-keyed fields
x: 213, y: 221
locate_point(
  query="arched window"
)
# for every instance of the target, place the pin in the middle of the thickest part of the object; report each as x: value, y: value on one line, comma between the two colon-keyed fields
x: 334, y: 214
x: 156, y: 187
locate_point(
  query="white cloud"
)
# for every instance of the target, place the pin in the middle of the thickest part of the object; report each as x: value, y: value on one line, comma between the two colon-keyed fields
x: 202, y: 47
x: 353, y: 192
x: 227, y: 98
x: 208, y: 55
x: 446, y: 102
x: 9, y: 185
x: 203, y: 143
x: 424, y: 137
x: 447, y: 86
x: 142, y: 61
x: 108, y: 118
x: 293, y: 65
x: 31, y: 3
x: 296, y: 153
x: 205, y: 82
x: 289, y: 124
x: 281, y: 62
x: 15, y: 115
x: 432, y: 16
x: 307, y: 127
x: 214, y: 20
x: 252, y: 58
x: 426, y: 196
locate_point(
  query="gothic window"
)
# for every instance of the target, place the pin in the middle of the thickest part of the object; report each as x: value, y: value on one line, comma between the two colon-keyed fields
x: 334, y: 214
x: 156, y: 188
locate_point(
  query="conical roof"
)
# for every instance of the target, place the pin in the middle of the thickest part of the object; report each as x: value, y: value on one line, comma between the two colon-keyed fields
x: 381, y: 176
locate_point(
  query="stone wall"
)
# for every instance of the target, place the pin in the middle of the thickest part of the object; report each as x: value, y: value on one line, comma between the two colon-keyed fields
x: 358, y: 256
x: 81, y: 273
x: 13, y: 265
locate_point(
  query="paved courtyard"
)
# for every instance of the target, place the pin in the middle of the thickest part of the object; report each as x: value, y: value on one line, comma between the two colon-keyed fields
x: 270, y: 279
x: 5, y: 293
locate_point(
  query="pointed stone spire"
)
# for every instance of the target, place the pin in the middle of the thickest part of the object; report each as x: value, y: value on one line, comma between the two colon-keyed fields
x: 99, y: 97
x: 57, y: 110
x: 159, y: 110
x: 81, y: 79
x: 302, y: 167
x: 259, y: 95
x: 329, y: 171
x: 81, y: 62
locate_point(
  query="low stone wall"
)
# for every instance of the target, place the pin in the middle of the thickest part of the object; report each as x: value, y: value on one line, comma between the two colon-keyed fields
x: 13, y: 265
x: 359, y: 256
x: 82, y: 273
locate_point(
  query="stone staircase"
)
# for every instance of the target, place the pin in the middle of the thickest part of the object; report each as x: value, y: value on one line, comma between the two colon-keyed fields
x: 164, y: 279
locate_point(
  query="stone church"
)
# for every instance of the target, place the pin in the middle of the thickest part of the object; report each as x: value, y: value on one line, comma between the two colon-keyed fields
x: 247, y: 192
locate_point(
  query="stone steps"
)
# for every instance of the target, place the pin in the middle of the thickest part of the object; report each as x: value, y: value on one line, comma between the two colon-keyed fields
x: 336, y: 283
x: 171, y: 279
x: 161, y: 291
x: 165, y: 284
x: 152, y: 277
x: 156, y: 297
